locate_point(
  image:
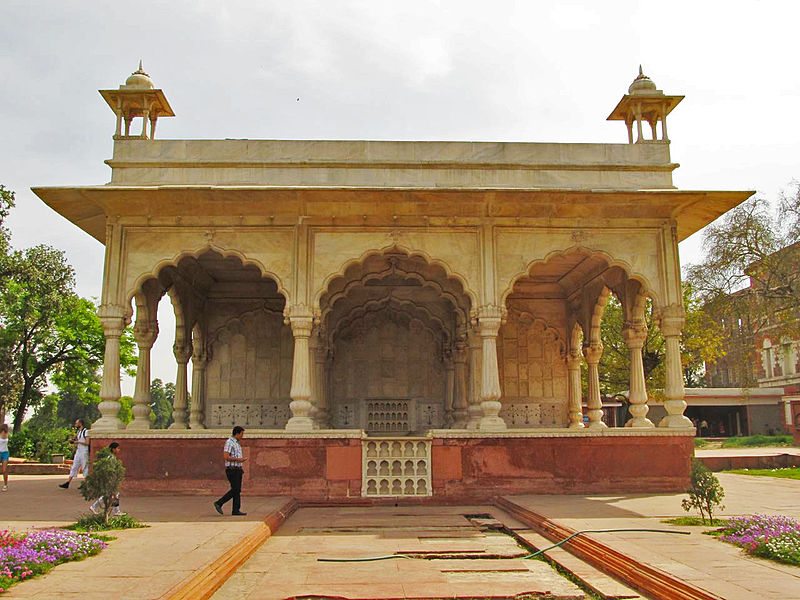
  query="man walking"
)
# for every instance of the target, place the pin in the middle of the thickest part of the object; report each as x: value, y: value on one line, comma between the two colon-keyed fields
x: 232, y: 454
x: 81, y: 459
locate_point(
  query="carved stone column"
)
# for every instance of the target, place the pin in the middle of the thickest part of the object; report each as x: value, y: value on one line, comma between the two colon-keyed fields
x: 319, y: 356
x: 145, y: 335
x: 574, y: 360
x: 449, y: 388
x: 460, y: 389
x: 672, y: 322
x: 182, y: 352
x: 197, y: 417
x: 490, y: 318
x: 594, y: 403
x: 301, y: 320
x: 634, y: 335
x: 474, y: 412
x: 113, y: 321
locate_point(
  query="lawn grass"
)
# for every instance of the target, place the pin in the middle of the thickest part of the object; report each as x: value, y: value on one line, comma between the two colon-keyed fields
x: 700, y: 442
x: 758, y: 441
x: 783, y: 473
x: 695, y: 522
x: 92, y: 523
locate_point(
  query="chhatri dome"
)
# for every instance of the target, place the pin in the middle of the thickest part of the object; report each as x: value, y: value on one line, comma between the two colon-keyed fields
x: 641, y: 85
x: 138, y: 79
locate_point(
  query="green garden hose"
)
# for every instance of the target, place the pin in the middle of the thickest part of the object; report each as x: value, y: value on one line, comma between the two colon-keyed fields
x: 533, y: 555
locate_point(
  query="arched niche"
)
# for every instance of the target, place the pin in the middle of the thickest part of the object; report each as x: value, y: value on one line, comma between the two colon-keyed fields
x: 390, y: 323
x: 229, y: 316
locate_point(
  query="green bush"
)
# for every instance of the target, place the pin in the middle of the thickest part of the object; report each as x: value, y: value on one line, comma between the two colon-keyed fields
x: 705, y: 493
x: 53, y: 441
x: 40, y: 444
x: 104, y: 480
x: 21, y: 444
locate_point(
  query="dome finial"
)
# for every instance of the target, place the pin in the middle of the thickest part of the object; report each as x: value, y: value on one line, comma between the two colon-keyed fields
x: 640, y: 69
x: 142, y: 70
x: 139, y: 79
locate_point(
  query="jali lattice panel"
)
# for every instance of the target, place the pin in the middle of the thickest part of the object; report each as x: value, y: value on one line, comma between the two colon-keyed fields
x: 396, y: 467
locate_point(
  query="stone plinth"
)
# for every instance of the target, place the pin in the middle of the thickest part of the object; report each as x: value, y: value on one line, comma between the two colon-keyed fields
x: 327, y: 466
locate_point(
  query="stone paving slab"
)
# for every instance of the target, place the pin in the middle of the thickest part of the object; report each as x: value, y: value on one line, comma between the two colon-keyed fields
x: 701, y: 560
x: 185, y: 534
x: 286, y: 566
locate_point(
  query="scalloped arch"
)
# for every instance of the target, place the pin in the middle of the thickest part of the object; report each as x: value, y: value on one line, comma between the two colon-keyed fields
x: 610, y: 260
x: 525, y: 315
x: 224, y: 252
x: 411, y: 253
x: 354, y: 283
x: 597, y: 314
x: 371, y: 306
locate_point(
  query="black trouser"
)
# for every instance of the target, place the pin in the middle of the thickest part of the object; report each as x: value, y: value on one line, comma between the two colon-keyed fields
x: 234, y: 475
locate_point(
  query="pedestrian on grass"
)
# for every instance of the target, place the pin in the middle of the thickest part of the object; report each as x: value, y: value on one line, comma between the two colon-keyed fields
x: 97, y: 505
x: 232, y: 454
x: 4, y: 454
x: 81, y: 459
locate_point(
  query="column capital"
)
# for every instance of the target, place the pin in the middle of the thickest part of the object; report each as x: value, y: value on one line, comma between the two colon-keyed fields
x: 488, y: 319
x: 574, y: 360
x: 199, y: 358
x: 301, y: 319
x: 593, y: 352
x: 111, y: 311
x: 634, y: 333
x: 145, y: 334
x: 182, y: 352
x: 672, y: 320
x: 460, y: 351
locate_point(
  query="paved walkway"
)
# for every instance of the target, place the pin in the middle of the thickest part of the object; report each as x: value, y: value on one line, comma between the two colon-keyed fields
x: 474, y: 562
x: 185, y: 535
x: 702, y: 560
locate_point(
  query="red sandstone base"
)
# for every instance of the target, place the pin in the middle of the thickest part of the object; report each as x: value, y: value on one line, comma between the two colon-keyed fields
x: 320, y: 469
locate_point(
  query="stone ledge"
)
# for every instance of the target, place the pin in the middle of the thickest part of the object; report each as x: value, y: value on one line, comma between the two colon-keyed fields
x: 360, y: 434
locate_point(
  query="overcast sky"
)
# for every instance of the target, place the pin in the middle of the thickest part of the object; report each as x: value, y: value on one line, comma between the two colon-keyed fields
x: 458, y: 70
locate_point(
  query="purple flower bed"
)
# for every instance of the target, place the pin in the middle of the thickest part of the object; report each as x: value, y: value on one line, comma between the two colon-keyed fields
x: 774, y: 537
x: 23, y: 555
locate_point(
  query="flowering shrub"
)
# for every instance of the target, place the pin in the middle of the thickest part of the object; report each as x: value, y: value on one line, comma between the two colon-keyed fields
x: 774, y: 537
x: 23, y: 555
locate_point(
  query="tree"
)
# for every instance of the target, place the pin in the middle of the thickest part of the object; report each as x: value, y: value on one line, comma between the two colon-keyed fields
x: 705, y: 493
x: 45, y: 328
x: 104, y: 481
x: 701, y: 341
x: 750, y: 280
x: 10, y: 381
x: 161, y: 398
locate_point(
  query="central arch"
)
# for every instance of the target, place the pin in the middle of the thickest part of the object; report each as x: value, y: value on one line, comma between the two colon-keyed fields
x: 392, y: 325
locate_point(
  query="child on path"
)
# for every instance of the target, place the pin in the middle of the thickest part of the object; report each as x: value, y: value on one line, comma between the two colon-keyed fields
x: 4, y: 454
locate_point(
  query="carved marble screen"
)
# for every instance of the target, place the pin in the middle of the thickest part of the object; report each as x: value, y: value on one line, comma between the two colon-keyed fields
x: 533, y: 373
x: 387, y: 355
x: 249, y: 372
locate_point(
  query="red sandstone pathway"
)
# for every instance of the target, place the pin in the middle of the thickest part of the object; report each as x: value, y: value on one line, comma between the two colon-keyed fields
x: 702, y: 560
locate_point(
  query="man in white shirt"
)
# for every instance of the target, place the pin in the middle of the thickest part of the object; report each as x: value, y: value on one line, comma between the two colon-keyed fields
x: 81, y: 459
x: 232, y: 454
